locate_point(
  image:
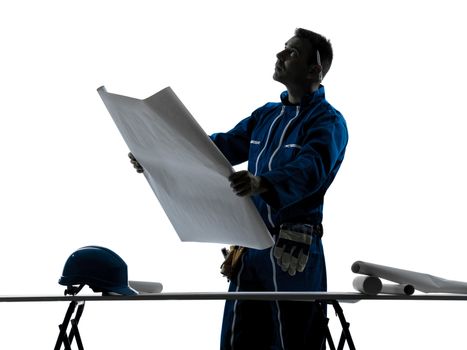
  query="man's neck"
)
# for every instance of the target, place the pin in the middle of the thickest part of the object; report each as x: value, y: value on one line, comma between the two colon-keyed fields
x: 296, y: 93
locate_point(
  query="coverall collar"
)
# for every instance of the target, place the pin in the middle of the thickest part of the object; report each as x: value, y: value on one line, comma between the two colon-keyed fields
x: 307, y: 99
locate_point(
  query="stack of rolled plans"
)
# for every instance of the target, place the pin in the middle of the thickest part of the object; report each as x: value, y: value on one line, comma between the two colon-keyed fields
x: 406, y: 281
x: 370, y: 282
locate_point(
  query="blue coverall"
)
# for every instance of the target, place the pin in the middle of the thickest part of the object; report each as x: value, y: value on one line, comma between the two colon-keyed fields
x: 298, y: 150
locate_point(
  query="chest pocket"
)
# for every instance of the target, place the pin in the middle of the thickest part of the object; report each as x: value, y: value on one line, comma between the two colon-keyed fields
x: 285, y: 154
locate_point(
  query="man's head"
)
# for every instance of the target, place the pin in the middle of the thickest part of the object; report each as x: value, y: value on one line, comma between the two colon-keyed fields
x: 305, y: 60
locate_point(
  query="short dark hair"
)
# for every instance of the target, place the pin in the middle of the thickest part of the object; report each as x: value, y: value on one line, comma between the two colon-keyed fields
x: 318, y: 43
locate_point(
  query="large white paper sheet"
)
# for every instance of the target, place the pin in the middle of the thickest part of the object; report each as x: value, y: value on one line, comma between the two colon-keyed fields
x: 420, y: 281
x: 186, y: 171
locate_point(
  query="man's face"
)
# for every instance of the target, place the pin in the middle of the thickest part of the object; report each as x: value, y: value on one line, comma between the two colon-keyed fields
x: 292, y: 67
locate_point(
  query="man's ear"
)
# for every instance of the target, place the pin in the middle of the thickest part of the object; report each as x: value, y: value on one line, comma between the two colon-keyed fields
x: 315, y: 72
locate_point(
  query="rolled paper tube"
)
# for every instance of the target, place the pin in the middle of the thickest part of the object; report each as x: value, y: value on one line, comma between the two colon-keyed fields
x: 143, y: 287
x: 355, y: 267
x: 399, y: 289
x: 367, y: 284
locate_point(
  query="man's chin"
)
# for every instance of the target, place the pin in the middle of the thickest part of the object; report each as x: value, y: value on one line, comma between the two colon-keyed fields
x: 276, y: 77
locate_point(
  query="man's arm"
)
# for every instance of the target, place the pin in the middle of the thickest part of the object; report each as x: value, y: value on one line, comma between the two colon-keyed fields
x: 312, y: 170
x: 235, y: 144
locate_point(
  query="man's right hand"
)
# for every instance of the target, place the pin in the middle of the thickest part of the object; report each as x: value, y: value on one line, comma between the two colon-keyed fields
x: 135, y: 163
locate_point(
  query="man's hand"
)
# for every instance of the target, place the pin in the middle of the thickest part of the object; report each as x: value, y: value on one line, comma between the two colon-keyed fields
x: 135, y: 163
x: 292, y: 247
x: 245, y: 183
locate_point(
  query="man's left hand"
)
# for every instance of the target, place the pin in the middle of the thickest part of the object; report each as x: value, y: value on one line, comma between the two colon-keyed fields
x: 245, y: 183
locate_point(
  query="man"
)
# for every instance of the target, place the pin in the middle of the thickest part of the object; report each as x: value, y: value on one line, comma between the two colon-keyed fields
x: 294, y: 149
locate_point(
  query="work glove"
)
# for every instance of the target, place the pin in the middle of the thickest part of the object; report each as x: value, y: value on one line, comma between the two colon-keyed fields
x: 244, y: 183
x: 292, y: 247
x: 135, y: 163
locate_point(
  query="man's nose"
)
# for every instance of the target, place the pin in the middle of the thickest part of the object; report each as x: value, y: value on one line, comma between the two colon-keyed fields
x: 280, y: 55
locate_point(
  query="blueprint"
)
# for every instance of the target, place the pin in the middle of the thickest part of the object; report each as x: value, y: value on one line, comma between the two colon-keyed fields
x: 186, y: 171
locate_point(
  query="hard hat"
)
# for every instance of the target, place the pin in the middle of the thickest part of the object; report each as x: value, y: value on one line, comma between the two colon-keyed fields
x: 98, y: 267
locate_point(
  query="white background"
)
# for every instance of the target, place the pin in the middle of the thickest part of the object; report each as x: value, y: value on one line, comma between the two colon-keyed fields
x: 398, y: 77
